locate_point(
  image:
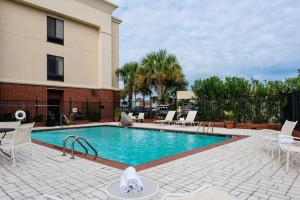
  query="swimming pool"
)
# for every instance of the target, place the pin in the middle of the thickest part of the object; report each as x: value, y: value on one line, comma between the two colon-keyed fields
x: 131, y: 146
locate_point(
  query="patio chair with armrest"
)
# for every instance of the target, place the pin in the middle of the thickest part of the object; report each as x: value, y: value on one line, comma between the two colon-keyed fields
x: 13, y: 125
x: 206, y: 192
x: 268, y: 136
x: 289, y: 148
x: 21, y: 137
x: 286, y: 129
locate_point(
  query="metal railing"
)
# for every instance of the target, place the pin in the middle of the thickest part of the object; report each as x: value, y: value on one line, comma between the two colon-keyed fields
x: 79, y: 141
x: 209, y: 127
x: 41, y: 111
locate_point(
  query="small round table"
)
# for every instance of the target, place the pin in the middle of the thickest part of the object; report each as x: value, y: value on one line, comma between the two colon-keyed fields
x: 5, y: 130
x: 149, y: 191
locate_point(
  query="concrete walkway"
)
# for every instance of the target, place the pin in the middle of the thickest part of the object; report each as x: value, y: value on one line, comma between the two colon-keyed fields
x: 240, y: 168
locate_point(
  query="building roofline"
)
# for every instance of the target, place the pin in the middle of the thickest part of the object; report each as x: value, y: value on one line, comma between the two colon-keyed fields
x: 109, y: 8
x: 111, y: 3
x: 116, y: 20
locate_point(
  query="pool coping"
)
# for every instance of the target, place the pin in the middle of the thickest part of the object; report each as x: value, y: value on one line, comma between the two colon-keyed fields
x: 122, y: 166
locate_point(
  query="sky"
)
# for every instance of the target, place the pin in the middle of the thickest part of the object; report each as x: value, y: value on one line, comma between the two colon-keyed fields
x: 249, y: 38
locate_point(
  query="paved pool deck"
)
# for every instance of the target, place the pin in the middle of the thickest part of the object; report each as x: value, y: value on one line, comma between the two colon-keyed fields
x: 240, y: 168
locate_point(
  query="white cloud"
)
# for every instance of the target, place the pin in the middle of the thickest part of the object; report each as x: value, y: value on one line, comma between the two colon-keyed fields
x: 251, y: 38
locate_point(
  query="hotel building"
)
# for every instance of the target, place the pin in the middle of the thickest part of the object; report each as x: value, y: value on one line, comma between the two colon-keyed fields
x: 59, y: 50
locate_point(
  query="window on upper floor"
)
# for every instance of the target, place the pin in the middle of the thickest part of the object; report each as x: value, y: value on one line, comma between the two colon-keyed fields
x: 55, y: 71
x: 55, y: 30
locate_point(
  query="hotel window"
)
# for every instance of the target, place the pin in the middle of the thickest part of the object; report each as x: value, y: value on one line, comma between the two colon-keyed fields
x: 55, y: 30
x: 55, y: 71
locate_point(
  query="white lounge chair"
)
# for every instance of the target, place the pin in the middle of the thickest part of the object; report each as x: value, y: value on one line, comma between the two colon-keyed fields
x: 289, y: 148
x: 141, y: 117
x: 269, y: 137
x: 20, y: 138
x: 168, y: 119
x: 190, y: 118
x: 206, y: 192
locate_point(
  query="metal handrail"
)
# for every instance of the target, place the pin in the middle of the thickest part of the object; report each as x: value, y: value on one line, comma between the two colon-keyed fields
x: 200, y: 124
x: 210, y: 125
x: 61, y: 123
x: 65, y: 143
x: 77, y: 140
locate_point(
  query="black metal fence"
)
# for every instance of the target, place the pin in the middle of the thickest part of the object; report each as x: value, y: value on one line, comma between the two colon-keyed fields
x: 39, y: 111
x: 256, y: 109
x: 264, y: 109
x: 292, y: 108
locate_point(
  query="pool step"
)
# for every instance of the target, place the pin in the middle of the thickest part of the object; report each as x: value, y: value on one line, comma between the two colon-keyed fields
x: 82, y: 142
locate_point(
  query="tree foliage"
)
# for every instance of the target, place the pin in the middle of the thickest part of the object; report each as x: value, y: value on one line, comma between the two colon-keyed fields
x: 250, y: 100
x: 158, y: 71
x: 210, y: 88
x: 128, y: 75
x: 165, y: 72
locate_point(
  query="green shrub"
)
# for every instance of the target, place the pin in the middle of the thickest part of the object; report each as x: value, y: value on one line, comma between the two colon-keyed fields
x: 229, y: 115
x: 117, y: 113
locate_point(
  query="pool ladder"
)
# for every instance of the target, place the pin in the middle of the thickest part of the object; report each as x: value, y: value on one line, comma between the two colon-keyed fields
x: 79, y: 140
x: 210, y: 126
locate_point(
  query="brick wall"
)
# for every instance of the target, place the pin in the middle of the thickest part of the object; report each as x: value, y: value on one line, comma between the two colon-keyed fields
x: 10, y: 91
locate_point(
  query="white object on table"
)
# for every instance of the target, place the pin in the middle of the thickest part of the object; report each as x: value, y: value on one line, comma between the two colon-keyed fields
x: 132, y: 180
x: 124, y: 185
x: 149, y: 191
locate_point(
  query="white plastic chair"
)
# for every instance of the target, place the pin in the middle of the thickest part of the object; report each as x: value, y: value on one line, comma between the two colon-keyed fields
x: 14, y: 125
x: 286, y: 129
x: 289, y: 148
x: 21, y: 137
x: 269, y: 137
x: 206, y: 192
x: 141, y: 117
x: 190, y: 118
x: 168, y: 119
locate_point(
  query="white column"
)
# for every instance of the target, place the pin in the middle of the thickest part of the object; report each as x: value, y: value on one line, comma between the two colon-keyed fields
x: 105, y: 60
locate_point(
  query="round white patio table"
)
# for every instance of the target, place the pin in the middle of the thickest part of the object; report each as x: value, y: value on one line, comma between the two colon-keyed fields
x: 149, y: 191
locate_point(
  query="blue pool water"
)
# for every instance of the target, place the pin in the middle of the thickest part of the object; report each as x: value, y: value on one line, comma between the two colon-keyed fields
x: 129, y: 145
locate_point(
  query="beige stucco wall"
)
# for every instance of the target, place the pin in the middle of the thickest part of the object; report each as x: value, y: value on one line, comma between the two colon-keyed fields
x: 115, y: 52
x: 87, y: 48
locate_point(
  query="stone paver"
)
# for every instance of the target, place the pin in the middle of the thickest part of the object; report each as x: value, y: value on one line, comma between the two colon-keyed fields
x: 240, y: 168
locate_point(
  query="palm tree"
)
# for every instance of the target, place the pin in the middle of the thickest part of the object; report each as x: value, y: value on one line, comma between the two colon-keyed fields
x: 128, y: 75
x: 143, y: 80
x: 164, y: 71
